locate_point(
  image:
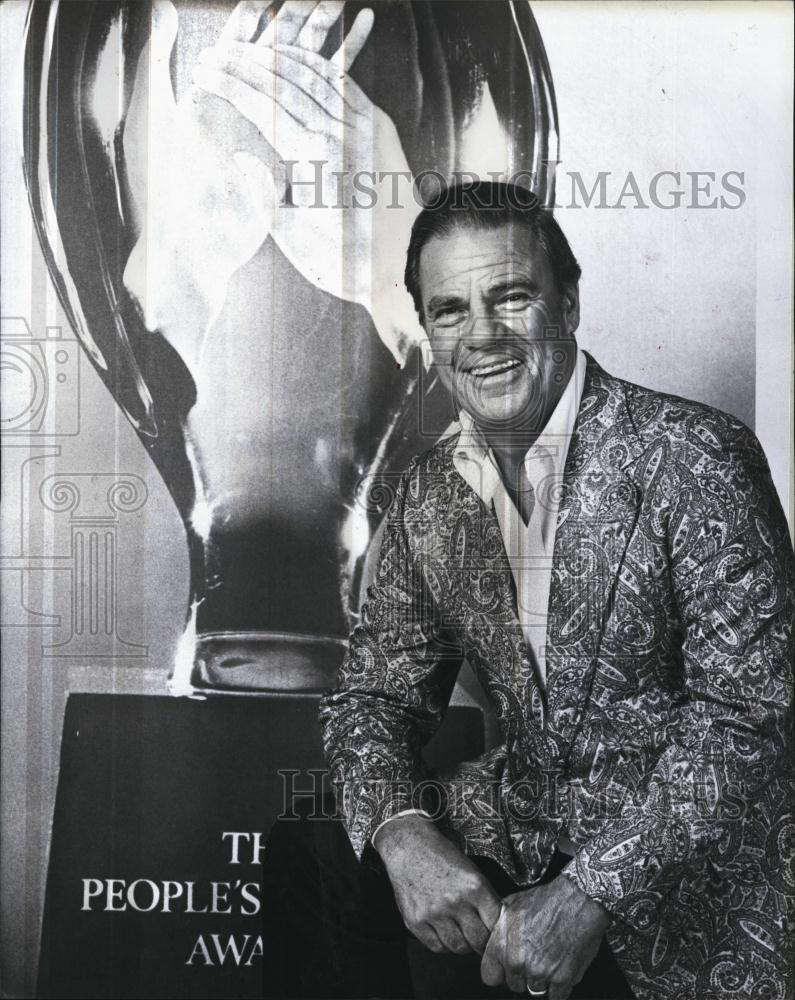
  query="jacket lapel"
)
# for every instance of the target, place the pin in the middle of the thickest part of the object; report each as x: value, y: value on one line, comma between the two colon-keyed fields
x: 596, y: 517
x: 597, y: 514
x: 481, y: 591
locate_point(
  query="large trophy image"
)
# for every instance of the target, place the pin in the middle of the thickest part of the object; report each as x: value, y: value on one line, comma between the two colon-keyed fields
x: 224, y: 196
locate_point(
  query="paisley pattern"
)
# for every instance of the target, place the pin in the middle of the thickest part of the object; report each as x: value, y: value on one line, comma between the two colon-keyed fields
x: 662, y: 742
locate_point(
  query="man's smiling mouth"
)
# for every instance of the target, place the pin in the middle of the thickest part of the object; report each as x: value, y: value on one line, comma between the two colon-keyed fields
x: 493, y: 367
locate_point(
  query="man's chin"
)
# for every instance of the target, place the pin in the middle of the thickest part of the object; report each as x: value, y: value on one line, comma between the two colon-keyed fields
x: 504, y: 409
x: 496, y: 418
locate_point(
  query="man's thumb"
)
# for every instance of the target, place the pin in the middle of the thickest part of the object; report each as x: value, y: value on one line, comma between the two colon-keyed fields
x: 489, y: 909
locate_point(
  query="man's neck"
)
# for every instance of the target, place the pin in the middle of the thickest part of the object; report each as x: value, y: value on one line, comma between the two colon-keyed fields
x: 510, y: 462
x: 510, y: 447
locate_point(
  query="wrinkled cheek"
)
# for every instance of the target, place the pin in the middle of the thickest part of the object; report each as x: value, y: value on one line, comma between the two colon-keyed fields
x: 442, y: 349
x: 445, y: 372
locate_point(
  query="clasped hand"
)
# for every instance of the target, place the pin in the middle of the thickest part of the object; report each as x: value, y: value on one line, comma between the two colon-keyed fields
x: 542, y: 938
x: 545, y: 938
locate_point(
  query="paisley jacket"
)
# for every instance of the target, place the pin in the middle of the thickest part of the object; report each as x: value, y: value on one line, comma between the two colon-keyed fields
x: 662, y: 740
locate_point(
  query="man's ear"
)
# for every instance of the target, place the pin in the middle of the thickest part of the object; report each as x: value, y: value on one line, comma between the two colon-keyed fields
x: 570, y: 301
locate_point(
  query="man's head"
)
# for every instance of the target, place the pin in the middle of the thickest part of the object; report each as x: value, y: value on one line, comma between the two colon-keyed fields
x: 495, y: 285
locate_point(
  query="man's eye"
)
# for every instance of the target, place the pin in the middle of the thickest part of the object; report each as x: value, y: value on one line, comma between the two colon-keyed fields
x: 449, y: 316
x: 514, y: 301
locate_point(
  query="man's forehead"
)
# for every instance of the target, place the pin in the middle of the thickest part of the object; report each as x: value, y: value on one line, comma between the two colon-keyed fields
x: 464, y: 257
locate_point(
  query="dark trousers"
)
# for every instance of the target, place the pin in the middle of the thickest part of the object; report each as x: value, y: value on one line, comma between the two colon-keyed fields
x: 332, y: 927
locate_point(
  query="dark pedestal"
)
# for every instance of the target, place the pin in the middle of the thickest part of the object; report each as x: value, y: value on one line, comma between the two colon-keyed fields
x: 147, y: 788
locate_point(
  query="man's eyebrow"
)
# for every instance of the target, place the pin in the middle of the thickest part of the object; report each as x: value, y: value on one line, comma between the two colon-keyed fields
x: 511, y: 284
x: 440, y: 301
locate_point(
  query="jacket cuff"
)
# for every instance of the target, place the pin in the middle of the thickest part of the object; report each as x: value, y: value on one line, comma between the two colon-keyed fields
x: 634, y: 906
x: 367, y: 805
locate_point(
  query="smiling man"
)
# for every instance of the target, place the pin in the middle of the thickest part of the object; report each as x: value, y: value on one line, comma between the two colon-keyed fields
x: 615, y: 566
x: 498, y: 298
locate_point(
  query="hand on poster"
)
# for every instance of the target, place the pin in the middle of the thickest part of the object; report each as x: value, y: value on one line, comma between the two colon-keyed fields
x: 202, y: 199
x: 341, y: 159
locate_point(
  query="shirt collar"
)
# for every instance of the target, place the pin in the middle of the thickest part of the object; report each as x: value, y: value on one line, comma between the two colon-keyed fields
x: 475, y: 463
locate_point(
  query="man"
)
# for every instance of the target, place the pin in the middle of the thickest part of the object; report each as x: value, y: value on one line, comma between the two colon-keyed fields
x: 614, y: 564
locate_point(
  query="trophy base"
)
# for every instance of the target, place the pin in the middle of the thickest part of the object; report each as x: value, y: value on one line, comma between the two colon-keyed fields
x: 253, y: 663
x: 148, y: 788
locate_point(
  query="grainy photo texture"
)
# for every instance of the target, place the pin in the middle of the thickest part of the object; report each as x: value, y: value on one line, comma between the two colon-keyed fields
x: 397, y: 567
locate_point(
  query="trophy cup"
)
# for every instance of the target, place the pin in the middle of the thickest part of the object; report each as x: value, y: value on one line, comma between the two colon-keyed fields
x: 280, y: 451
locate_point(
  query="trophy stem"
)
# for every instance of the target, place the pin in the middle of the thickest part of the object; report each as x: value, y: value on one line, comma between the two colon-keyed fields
x: 226, y: 662
x: 180, y: 681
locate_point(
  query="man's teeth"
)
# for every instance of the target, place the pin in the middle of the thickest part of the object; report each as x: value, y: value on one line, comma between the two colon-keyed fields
x: 495, y: 367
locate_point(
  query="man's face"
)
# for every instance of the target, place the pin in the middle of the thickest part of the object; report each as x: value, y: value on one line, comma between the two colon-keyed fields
x: 501, y: 331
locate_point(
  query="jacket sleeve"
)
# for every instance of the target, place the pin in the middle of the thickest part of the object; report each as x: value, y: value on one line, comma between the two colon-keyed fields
x: 393, y: 687
x: 724, y: 766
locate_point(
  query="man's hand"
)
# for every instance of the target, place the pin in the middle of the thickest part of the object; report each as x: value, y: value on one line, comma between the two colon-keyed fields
x: 443, y: 898
x: 545, y: 938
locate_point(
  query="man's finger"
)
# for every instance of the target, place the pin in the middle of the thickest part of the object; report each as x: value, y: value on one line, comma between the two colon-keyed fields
x: 285, y: 28
x: 313, y: 34
x: 428, y: 936
x: 353, y: 43
x: 560, y: 990
x: 451, y: 937
x: 491, y: 971
x: 563, y: 980
x: 243, y: 21
x: 474, y: 930
x: 489, y: 907
x: 535, y: 984
x: 513, y: 969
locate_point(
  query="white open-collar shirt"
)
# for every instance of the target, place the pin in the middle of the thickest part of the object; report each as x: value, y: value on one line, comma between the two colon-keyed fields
x: 528, y: 547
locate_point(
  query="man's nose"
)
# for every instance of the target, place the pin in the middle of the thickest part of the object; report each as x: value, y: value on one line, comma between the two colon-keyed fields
x: 484, y: 329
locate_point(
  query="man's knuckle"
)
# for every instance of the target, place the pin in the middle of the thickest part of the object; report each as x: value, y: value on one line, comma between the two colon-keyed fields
x: 516, y: 982
x: 574, y: 974
x: 490, y: 976
x: 548, y: 974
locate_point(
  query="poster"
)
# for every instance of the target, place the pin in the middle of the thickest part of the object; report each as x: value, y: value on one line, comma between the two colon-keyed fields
x: 664, y: 131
